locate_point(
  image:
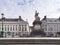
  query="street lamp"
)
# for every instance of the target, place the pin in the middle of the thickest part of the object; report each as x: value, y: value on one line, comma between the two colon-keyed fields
x: 2, y: 25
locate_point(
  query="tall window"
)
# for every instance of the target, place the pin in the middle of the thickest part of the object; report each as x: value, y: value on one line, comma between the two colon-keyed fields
x: 8, y: 27
x: 51, y: 29
x: 16, y: 33
x: 5, y: 27
x: 5, y: 34
x: 25, y: 27
x: 12, y: 34
x: 16, y: 27
x: 22, y: 28
x: 19, y: 27
x: 13, y: 27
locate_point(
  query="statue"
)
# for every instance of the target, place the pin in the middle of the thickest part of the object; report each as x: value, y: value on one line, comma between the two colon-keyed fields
x: 37, y: 20
x: 37, y: 28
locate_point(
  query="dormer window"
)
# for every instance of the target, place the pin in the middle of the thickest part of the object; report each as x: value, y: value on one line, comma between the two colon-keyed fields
x: 55, y: 20
x: 50, y: 20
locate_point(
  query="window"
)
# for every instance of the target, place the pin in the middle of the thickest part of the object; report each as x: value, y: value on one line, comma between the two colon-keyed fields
x: 13, y: 27
x: 45, y: 29
x: 12, y: 34
x: 9, y: 33
x: 19, y: 27
x: 8, y: 27
x: 55, y: 20
x: 22, y: 28
x: 5, y: 27
x: 55, y: 28
x: 5, y: 34
x: 51, y: 29
x: 16, y: 27
x: 25, y: 27
x: 16, y: 33
x: 19, y: 33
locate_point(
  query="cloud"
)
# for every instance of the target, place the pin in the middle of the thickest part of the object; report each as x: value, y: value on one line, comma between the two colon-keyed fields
x: 58, y: 10
x: 26, y: 8
x: 25, y: 2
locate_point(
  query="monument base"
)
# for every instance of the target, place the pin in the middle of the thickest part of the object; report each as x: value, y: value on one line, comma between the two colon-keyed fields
x: 38, y: 33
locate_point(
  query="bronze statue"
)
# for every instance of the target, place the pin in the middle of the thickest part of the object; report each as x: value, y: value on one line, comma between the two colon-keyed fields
x: 37, y: 29
x: 37, y: 19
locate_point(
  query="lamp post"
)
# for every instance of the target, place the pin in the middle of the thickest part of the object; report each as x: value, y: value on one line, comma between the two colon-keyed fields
x: 2, y: 25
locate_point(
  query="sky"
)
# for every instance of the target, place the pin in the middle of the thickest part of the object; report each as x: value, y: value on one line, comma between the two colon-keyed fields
x: 26, y: 9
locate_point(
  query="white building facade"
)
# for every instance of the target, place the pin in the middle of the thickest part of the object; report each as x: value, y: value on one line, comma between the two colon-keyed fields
x: 14, y: 27
x: 51, y: 26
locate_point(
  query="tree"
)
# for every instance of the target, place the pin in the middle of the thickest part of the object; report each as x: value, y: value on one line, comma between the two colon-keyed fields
x: 58, y: 33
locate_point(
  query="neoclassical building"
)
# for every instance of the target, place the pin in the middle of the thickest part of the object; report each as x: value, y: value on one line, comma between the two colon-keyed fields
x: 14, y: 27
x: 51, y: 26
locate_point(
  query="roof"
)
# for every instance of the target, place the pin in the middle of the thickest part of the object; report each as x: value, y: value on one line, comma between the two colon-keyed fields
x: 11, y: 19
x: 52, y: 19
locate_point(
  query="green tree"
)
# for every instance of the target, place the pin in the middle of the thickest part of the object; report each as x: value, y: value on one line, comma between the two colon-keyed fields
x: 1, y: 34
x: 58, y: 33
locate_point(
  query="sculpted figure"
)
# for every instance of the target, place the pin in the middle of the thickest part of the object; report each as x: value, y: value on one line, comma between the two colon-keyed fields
x: 37, y: 28
x: 37, y: 18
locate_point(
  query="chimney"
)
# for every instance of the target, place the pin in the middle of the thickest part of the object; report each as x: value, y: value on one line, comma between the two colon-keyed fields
x: 19, y: 17
x: 44, y: 17
x: 59, y: 18
x: 4, y: 17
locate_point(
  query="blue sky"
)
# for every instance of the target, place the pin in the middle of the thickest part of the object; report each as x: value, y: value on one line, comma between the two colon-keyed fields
x: 26, y: 8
